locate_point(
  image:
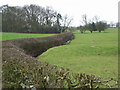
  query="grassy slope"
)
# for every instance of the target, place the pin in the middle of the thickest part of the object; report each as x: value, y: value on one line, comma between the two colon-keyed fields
x: 94, y: 53
x: 8, y: 36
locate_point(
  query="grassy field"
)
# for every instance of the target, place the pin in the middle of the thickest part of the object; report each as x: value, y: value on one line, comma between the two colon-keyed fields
x: 8, y: 36
x: 95, y: 53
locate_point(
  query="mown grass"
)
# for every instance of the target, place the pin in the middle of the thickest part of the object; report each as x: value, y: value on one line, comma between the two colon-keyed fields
x: 9, y: 36
x: 95, y: 53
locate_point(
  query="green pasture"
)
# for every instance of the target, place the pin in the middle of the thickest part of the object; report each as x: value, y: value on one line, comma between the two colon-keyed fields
x: 8, y: 36
x: 91, y: 53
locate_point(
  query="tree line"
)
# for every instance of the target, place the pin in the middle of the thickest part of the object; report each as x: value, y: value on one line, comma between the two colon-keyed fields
x: 33, y: 19
x: 36, y: 19
x: 93, y: 25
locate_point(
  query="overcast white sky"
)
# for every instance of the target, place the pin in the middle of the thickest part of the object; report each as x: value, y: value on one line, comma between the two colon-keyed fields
x: 106, y: 9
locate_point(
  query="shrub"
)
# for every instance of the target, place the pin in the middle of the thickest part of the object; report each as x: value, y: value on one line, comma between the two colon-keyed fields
x: 36, y: 46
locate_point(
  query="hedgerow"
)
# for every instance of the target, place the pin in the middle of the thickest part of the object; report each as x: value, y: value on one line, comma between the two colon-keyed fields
x: 22, y: 70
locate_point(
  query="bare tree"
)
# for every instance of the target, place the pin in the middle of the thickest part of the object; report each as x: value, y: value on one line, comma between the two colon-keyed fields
x: 85, y: 23
x: 59, y: 17
x: 84, y: 19
x: 101, y: 26
x: 95, y: 19
x: 66, y: 21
